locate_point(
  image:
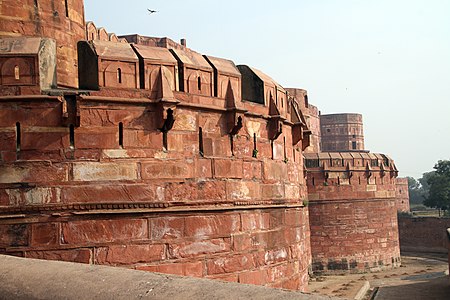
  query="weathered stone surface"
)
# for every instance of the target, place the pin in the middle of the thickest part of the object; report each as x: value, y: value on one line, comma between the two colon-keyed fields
x: 167, y: 170
x: 129, y: 254
x: 101, y: 231
x: 33, y: 172
x: 92, y: 171
x: 73, y: 255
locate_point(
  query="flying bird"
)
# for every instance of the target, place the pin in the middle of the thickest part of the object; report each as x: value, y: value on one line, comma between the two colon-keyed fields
x: 152, y: 11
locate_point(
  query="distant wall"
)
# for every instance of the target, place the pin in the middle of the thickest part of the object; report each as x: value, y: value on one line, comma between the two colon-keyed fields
x: 423, y: 234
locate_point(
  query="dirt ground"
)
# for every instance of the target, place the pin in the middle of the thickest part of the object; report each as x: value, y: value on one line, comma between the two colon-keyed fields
x: 421, y: 276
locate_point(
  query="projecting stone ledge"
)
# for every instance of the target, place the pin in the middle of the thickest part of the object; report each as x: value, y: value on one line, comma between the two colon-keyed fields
x: 22, y: 278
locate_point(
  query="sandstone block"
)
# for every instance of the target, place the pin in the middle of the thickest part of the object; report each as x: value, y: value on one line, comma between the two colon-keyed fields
x: 167, y: 170
x: 44, y: 234
x: 33, y: 172
x: 227, y: 168
x: 258, y: 277
x: 243, y: 190
x: 72, y: 255
x: 198, y: 248
x: 230, y: 264
x: 212, y: 226
x: 166, y: 228
x: 101, y: 231
x: 95, y: 171
x: 130, y: 254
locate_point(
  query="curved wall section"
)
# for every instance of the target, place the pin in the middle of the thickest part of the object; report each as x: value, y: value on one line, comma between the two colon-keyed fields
x: 353, y: 212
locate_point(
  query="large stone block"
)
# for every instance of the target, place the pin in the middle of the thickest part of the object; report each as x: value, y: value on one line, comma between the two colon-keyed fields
x: 96, y: 171
x: 167, y: 170
x: 166, y: 228
x: 33, y: 172
x: 14, y: 235
x: 228, y: 168
x: 199, y: 248
x: 212, y: 226
x: 243, y: 190
x: 33, y: 196
x: 230, y: 264
x: 129, y: 254
x: 104, y: 193
x: 102, y: 231
x: 71, y: 255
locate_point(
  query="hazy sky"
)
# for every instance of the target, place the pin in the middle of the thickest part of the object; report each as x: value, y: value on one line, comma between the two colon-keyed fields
x: 386, y: 59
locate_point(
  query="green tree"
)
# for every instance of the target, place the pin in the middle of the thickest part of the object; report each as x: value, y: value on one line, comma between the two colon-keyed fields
x: 439, y: 186
x: 415, y: 191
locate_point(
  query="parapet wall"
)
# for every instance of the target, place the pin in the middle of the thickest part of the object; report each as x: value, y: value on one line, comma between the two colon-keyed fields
x: 353, y: 213
x: 111, y: 180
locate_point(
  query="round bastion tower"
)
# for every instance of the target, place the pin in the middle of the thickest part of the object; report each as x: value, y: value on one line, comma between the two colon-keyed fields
x: 61, y: 20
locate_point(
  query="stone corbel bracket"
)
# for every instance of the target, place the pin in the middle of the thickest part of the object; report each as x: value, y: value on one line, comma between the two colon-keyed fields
x: 300, y: 131
x: 166, y: 114
x: 349, y: 171
x: 235, y: 120
x: 368, y: 171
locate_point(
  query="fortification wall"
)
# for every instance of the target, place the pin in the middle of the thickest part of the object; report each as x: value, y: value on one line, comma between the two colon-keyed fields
x: 157, y: 179
x: 423, y: 234
x: 341, y: 132
x: 353, y: 213
x: 311, y: 114
x: 59, y: 20
x: 402, y: 194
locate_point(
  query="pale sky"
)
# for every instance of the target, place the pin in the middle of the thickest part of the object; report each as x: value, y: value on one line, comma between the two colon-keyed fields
x: 386, y: 59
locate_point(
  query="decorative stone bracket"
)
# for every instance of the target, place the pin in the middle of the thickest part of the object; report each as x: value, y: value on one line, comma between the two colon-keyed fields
x: 166, y: 103
x: 349, y: 171
x: 235, y: 114
x: 166, y: 115
x: 276, y: 120
x: 368, y: 172
x: 300, y: 131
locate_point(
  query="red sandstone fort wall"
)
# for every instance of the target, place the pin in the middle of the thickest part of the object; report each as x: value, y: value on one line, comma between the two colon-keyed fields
x: 113, y: 189
x: 402, y: 194
x: 353, y: 212
x: 423, y: 234
x: 60, y: 20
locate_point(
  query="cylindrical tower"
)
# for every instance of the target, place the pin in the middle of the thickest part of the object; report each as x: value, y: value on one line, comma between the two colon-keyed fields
x: 342, y: 132
x: 61, y: 20
x: 353, y: 211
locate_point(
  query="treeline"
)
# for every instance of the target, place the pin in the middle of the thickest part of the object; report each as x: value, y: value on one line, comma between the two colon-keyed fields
x: 433, y: 188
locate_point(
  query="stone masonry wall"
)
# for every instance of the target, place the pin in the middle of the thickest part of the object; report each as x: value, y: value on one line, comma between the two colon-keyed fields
x: 423, y: 234
x: 353, y: 213
x: 402, y: 194
x: 115, y: 191
x: 60, y: 20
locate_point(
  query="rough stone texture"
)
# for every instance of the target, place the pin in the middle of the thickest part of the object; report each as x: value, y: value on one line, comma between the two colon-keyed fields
x: 341, y: 132
x: 353, y: 212
x: 52, y: 19
x: 180, y: 163
x: 423, y: 234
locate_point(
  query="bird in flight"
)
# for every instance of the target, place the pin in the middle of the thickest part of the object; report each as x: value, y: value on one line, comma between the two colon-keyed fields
x: 152, y: 11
